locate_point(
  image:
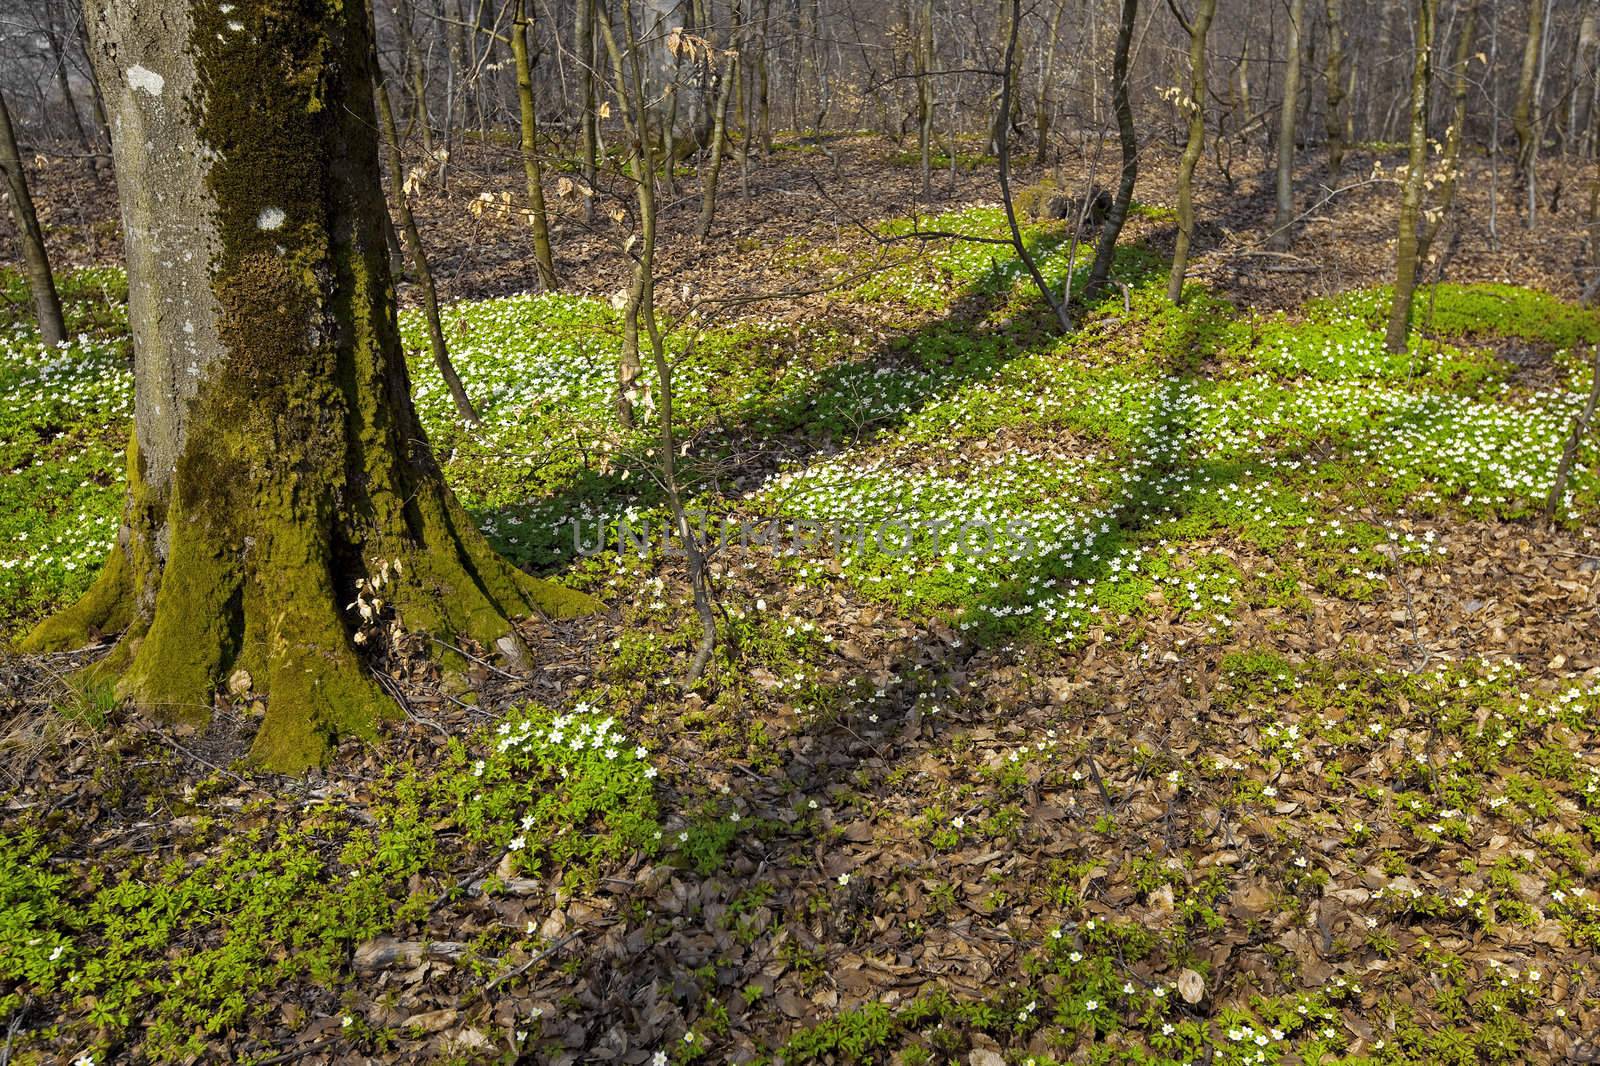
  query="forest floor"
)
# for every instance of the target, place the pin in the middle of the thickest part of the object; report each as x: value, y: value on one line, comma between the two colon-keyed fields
x: 1205, y: 687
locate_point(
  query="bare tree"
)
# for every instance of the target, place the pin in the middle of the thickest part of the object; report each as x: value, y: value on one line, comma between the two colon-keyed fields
x: 1003, y: 148
x: 412, y: 239
x: 41, y: 282
x: 627, y: 73
x: 1334, y: 119
x: 1284, y: 219
x: 1406, y: 265
x: 924, y: 68
x: 1450, y: 165
x: 1524, y: 116
x: 723, y: 68
x: 1047, y: 75
x: 1195, y: 107
x: 1106, y: 251
x: 538, y: 218
x: 588, y: 115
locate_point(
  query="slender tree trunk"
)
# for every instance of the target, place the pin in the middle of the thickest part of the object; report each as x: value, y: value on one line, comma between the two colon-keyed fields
x: 1592, y: 289
x: 1522, y: 112
x: 762, y: 82
x: 630, y: 90
x: 419, y: 258
x: 1531, y: 177
x: 1003, y: 151
x: 538, y: 220
x: 924, y: 65
x: 719, y: 131
x: 588, y: 115
x: 744, y: 41
x: 1196, y: 104
x: 102, y: 123
x: 1283, y: 221
x: 1335, y: 119
x: 1451, y: 164
x: 416, y: 70
x: 1047, y: 74
x: 277, y: 470
x: 1580, y: 427
x: 1106, y: 251
x: 1406, y: 265
x: 58, y: 60
x: 455, y: 57
x: 41, y: 282
x: 763, y: 86
x: 391, y: 241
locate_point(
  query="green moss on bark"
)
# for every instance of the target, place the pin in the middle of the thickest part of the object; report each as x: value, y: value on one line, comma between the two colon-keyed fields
x: 302, y: 468
x: 106, y: 608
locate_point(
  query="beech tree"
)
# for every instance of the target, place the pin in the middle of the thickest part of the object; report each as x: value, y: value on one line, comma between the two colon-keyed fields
x: 281, y: 489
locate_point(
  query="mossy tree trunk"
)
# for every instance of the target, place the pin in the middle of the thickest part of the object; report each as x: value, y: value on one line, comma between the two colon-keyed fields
x: 41, y: 282
x: 1407, y: 265
x: 1198, y: 30
x: 277, y: 470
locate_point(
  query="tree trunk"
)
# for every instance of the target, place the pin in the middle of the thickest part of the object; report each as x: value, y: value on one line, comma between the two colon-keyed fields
x: 763, y: 104
x: 1459, y: 86
x: 1334, y: 119
x: 58, y: 60
x: 924, y: 61
x: 588, y: 118
x: 416, y: 70
x: 1002, y: 149
x: 419, y: 257
x: 641, y: 309
x: 1100, y: 273
x: 41, y: 282
x: 1047, y: 74
x: 1284, y: 219
x: 277, y: 470
x: 1406, y: 265
x: 719, y: 130
x: 538, y: 220
x: 1195, y: 146
x: 1522, y: 116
